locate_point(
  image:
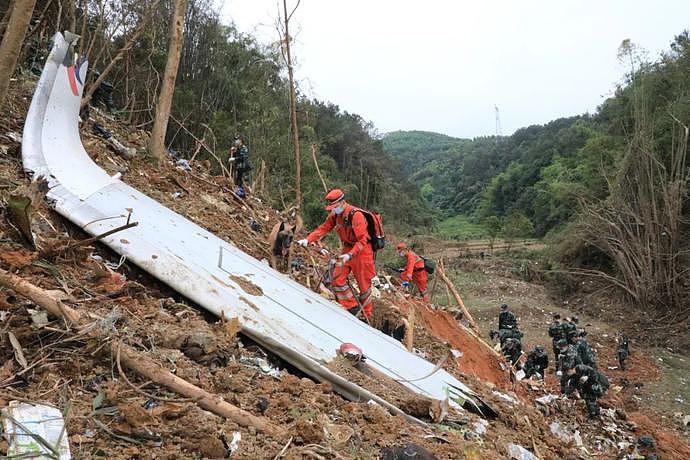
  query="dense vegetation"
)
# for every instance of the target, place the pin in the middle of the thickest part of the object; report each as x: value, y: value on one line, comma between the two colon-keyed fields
x: 544, y: 172
x: 227, y: 83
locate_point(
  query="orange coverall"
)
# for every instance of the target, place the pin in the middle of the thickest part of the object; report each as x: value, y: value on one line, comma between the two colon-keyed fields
x: 355, y: 241
x: 414, y: 271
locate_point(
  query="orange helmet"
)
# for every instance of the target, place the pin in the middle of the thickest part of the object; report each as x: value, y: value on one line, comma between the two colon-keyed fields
x: 334, y: 198
x: 401, y: 246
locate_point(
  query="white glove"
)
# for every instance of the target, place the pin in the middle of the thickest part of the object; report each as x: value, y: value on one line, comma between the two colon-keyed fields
x: 584, y: 378
x: 345, y: 257
x: 230, y: 160
x: 303, y: 242
x: 559, y: 373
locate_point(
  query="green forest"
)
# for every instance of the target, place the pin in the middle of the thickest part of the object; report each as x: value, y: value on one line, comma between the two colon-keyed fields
x: 544, y: 172
x: 607, y: 190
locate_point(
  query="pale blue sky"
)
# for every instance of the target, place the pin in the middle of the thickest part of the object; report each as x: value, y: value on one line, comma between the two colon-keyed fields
x: 443, y: 65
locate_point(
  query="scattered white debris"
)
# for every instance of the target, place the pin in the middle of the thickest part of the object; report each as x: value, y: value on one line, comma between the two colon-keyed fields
x: 480, y: 427
x: 520, y: 453
x: 456, y: 353
x: 235, y: 443
x: 29, y: 427
x: 262, y: 365
x: 686, y: 420
x: 505, y: 397
x: 546, y: 400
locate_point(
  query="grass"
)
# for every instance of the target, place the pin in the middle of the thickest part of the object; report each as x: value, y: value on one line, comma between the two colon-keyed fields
x: 460, y: 227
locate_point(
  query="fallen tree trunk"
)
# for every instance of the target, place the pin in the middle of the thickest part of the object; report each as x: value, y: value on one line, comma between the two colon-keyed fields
x: 139, y: 363
x: 457, y: 297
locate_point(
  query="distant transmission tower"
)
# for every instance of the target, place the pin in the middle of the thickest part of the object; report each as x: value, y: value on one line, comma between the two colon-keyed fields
x: 498, y: 122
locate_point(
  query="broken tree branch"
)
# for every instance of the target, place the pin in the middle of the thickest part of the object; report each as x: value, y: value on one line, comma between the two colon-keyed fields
x: 141, y: 364
x: 318, y: 170
x: 93, y: 239
x: 458, y: 299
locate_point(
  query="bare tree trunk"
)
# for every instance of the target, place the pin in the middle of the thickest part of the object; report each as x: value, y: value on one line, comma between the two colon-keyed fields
x: 293, y: 108
x: 318, y: 170
x: 441, y: 272
x: 160, y: 125
x: 6, y: 16
x: 12, y: 42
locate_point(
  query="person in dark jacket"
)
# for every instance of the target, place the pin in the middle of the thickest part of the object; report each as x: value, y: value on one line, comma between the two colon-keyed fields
x: 537, y: 362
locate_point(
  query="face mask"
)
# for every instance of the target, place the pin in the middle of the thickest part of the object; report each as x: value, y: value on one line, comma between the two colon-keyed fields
x: 338, y: 210
x: 401, y: 254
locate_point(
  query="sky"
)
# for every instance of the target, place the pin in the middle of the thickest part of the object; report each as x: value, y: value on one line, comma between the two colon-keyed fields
x: 444, y: 66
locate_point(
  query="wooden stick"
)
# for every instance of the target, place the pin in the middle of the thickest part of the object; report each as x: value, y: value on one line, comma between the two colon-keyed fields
x: 90, y: 240
x: 457, y: 297
x: 318, y: 170
x: 139, y: 363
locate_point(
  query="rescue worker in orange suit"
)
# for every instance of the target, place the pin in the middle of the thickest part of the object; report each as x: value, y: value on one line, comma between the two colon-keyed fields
x: 413, y: 271
x: 356, y: 255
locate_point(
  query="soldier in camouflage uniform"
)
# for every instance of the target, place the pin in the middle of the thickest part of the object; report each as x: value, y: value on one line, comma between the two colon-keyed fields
x: 506, y: 319
x: 512, y: 349
x: 568, y: 358
x: 589, y: 383
x: 537, y: 362
x: 623, y: 351
x: 556, y: 333
x: 585, y: 351
x: 570, y: 329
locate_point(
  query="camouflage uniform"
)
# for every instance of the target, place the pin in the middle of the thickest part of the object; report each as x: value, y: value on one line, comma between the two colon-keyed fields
x: 537, y: 361
x: 594, y: 386
x: 512, y: 349
x: 505, y: 334
x: 586, y: 353
x: 568, y: 358
x: 556, y: 333
x: 569, y: 331
x: 623, y: 351
x: 507, y: 320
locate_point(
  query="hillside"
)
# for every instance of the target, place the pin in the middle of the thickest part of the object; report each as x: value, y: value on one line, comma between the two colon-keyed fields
x: 116, y: 413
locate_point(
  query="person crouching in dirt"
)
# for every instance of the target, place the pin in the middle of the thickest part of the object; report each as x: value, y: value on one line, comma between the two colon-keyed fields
x: 590, y: 385
x: 623, y: 350
x: 568, y: 358
x: 414, y: 270
x: 512, y: 350
x: 537, y: 362
x: 357, y: 255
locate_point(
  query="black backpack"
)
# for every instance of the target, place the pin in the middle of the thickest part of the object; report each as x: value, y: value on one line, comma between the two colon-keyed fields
x: 377, y: 237
x: 429, y: 265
